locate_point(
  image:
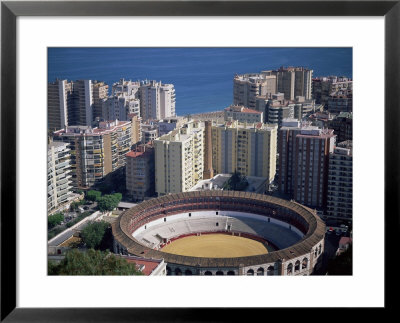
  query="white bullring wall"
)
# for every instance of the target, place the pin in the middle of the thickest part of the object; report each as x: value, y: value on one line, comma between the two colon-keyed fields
x: 222, y: 214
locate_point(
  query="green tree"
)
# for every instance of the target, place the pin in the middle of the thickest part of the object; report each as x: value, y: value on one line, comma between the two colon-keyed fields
x: 118, y: 196
x: 236, y: 182
x: 109, y: 202
x: 92, y: 262
x: 93, y: 234
x: 54, y: 220
x: 93, y: 195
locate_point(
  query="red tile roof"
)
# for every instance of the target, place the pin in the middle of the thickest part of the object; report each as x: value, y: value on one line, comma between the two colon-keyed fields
x: 134, y: 154
x: 149, y: 265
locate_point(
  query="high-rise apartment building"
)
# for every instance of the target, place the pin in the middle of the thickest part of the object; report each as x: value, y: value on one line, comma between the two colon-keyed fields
x: 58, y: 175
x: 247, y: 87
x: 341, y: 101
x: 96, y: 152
x: 179, y: 158
x: 131, y: 89
x: 343, y: 126
x: 323, y: 87
x: 140, y: 180
x: 59, y: 100
x: 149, y: 131
x: 242, y: 114
x: 276, y: 108
x: 157, y: 100
x: 249, y: 149
x: 340, y: 182
x: 123, y: 102
x: 291, y: 81
x: 136, y: 128
x: 303, y: 162
x: 75, y: 103
x: 88, y: 97
x: 100, y: 92
x: 208, y: 166
x: 294, y: 81
x: 290, y: 128
x: 168, y: 124
x: 119, y: 106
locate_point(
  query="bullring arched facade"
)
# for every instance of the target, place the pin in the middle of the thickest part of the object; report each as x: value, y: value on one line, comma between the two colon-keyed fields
x: 295, y: 256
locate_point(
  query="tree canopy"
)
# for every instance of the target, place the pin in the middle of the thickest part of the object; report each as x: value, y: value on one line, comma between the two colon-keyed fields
x: 92, y: 262
x: 109, y: 202
x: 236, y: 182
x: 54, y: 220
x: 93, y: 195
x: 93, y: 234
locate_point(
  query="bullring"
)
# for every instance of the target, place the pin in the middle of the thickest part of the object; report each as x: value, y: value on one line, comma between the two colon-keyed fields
x: 295, y: 231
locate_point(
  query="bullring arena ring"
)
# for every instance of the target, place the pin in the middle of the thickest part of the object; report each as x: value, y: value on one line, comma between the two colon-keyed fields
x: 222, y: 233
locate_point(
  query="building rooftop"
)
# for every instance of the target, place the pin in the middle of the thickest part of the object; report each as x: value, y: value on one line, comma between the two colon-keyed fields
x: 146, y: 266
x: 240, y: 125
x: 240, y: 108
x: 347, y: 115
x: 218, y: 181
x: 104, y: 128
x: 57, y: 144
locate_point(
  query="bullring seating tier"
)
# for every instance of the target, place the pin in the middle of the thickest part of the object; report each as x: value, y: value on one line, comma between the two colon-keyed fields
x: 279, y: 236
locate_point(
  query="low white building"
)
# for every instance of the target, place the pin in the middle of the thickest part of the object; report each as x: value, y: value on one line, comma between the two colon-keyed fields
x: 256, y: 184
x: 242, y: 114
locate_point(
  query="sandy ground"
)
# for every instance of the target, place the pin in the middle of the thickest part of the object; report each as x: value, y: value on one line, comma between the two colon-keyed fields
x: 216, y: 246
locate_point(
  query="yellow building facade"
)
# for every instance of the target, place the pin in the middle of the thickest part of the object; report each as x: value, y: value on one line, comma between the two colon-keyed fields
x: 249, y: 149
x: 179, y: 158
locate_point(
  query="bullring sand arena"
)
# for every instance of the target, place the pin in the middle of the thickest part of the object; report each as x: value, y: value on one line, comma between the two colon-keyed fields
x: 222, y: 233
x: 216, y: 246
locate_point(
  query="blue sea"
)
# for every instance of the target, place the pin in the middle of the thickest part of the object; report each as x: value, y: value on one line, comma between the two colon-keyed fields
x: 203, y: 77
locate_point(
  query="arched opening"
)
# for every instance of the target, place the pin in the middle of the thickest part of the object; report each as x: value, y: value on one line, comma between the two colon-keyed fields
x: 231, y: 273
x: 208, y: 273
x: 178, y: 272
x: 297, y: 266
x: 289, y: 270
x: 304, y: 263
x: 319, y: 249
x: 219, y: 273
x: 250, y: 272
x: 270, y: 271
x: 188, y: 272
x: 260, y: 271
x: 315, y: 252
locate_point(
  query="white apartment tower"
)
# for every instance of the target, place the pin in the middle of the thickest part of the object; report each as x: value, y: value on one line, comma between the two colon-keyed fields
x: 119, y: 107
x: 123, y: 102
x: 179, y: 158
x: 59, y: 99
x: 340, y: 182
x: 58, y: 175
x: 75, y: 103
x: 157, y: 100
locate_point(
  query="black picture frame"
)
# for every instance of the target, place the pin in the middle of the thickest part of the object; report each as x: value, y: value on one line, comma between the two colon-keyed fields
x: 10, y: 10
